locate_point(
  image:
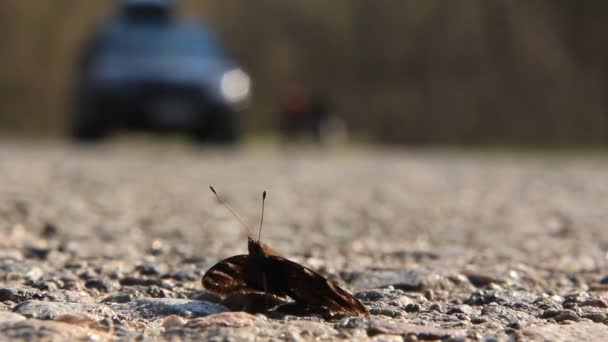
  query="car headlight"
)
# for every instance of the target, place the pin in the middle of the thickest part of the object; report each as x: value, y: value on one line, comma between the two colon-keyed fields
x: 235, y: 86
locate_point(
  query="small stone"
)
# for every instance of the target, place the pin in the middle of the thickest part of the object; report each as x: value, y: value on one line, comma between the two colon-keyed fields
x: 385, y: 312
x: 597, y: 317
x: 182, y: 275
x: 41, y: 253
x: 419, y: 331
x: 352, y: 323
x: 147, y: 269
x: 478, y: 320
x: 6, y: 317
x: 595, y: 302
x: 567, y: 315
x: 51, y: 310
x: 49, y: 230
x: 582, y: 331
x: 412, y: 307
x: 484, y: 279
x: 98, y: 284
x: 154, y: 307
x: 387, y: 338
x: 483, y: 297
x: 173, y: 321
x: 34, y: 329
x: 604, y: 280
x: 550, y: 313
x: 227, y: 319
x: 463, y: 309
x: 132, y: 281
x: 81, y: 319
x: 435, y: 307
x: 118, y: 298
x: 514, y: 325
x: 19, y: 294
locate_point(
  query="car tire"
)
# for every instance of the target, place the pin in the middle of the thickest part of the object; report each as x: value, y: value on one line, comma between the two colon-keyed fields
x: 221, y: 129
x: 87, y: 124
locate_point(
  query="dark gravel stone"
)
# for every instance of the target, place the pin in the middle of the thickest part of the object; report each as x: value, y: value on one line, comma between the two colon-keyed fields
x: 118, y: 298
x: 19, y: 294
x: 390, y: 312
x: 412, y: 307
x: 352, y: 323
x: 595, y: 302
x: 419, y: 331
x: 436, y: 307
x: 463, y: 309
x: 550, y: 313
x: 483, y: 279
x: 604, y: 280
x: 133, y: 281
x: 567, y: 315
x: 411, y: 280
x: 597, y: 317
x: 147, y: 269
x: 194, y: 260
x: 207, y: 297
x: 40, y: 253
x: 161, y: 307
x: 183, y: 275
x: 514, y: 325
x: 98, y: 284
x: 478, y: 320
x: 484, y: 297
x: 50, y: 310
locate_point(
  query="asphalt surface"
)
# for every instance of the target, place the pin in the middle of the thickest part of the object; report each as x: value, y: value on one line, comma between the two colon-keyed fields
x: 443, y: 244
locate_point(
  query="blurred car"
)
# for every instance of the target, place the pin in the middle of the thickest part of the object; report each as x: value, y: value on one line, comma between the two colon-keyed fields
x: 147, y: 69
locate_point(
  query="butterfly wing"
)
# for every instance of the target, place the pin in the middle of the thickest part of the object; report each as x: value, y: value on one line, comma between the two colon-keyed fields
x: 227, y: 277
x: 309, y: 287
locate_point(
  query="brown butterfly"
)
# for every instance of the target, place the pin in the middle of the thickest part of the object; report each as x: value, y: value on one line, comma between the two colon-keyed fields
x: 264, y: 272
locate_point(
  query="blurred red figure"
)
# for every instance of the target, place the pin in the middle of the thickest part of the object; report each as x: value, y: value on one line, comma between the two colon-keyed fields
x: 302, y: 111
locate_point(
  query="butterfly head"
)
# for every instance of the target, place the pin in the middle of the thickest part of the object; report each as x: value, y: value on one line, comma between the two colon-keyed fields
x: 255, y: 248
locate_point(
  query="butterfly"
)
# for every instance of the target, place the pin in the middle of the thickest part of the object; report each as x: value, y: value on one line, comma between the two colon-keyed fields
x: 264, y: 274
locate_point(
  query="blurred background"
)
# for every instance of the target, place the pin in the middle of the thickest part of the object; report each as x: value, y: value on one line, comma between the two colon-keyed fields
x: 389, y: 71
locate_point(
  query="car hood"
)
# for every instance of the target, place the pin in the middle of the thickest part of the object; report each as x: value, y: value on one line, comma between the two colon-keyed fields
x: 160, y: 68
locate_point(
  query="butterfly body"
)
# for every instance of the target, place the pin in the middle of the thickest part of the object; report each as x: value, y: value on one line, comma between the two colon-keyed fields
x: 263, y: 271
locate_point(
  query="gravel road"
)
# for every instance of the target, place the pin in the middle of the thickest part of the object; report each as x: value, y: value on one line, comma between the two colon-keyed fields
x: 111, y: 241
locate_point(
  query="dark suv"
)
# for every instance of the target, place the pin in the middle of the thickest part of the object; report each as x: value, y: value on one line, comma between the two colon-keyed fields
x: 146, y: 69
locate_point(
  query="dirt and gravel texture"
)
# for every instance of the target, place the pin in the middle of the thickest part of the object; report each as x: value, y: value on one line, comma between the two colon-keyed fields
x: 110, y: 242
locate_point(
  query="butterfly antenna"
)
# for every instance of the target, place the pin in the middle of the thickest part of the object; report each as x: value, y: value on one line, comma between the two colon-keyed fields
x: 262, y: 219
x: 236, y: 216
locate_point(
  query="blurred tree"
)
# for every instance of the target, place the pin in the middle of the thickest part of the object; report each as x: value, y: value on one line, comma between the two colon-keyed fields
x: 405, y: 71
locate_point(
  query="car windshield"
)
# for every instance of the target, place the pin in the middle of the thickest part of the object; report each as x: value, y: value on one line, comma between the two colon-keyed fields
x: 167, y: 39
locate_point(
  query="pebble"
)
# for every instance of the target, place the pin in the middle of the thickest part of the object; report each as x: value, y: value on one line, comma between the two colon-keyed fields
x: 118, y: 298
x: 412, y: 307
x: 484, y: 279
x: 40, y: 253
x: 98, y: 284
x: 419, y: 331
x: 131, y: 281
x: 8, y: 317
x: 597, y: 317
x: 173, y: 321
x: 160, y: 307
x: 18, y: 294
x: 595, y: 302
x: 40, y: 330
x: 51, y: 310
x: 227, y: 319
x: 567, y: 315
